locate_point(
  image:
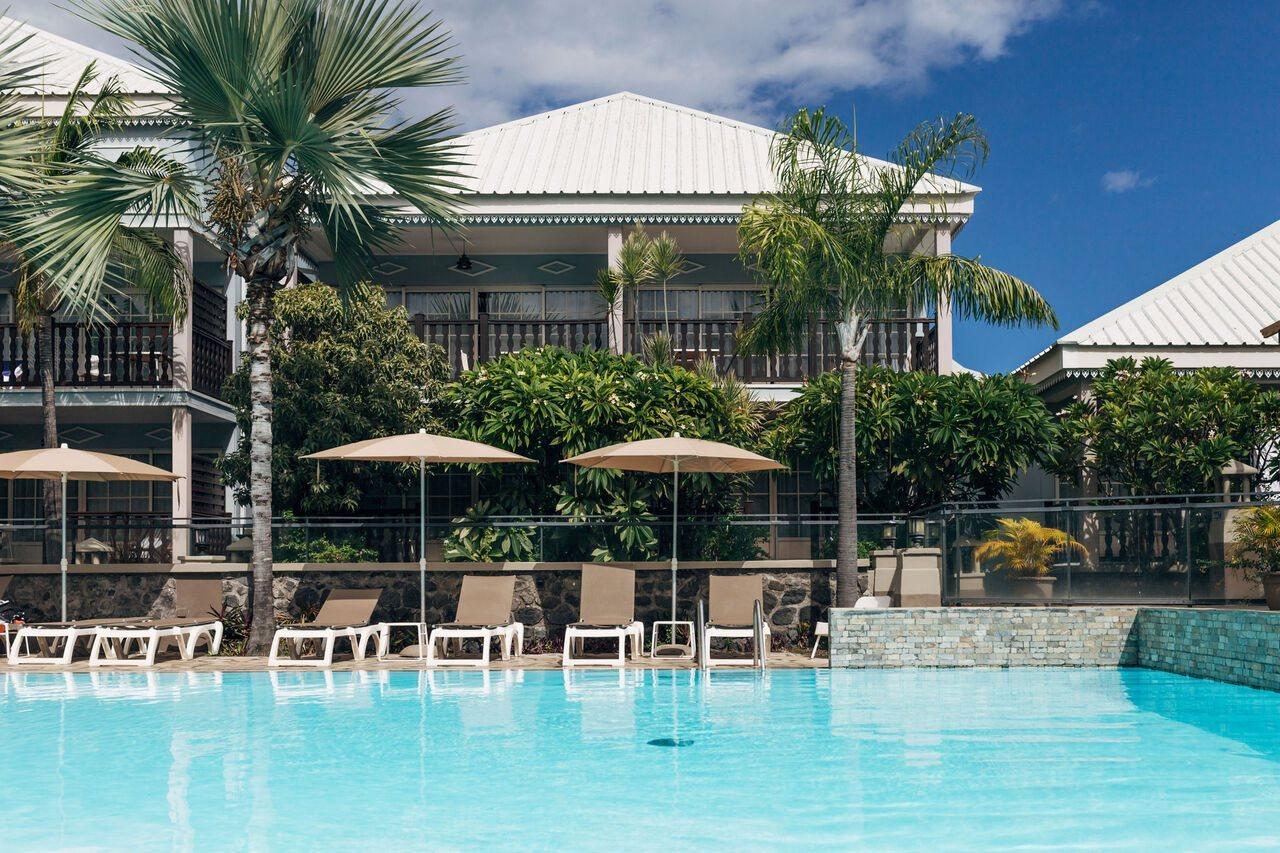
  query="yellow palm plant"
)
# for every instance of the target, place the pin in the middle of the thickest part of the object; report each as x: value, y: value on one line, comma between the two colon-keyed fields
x: 1024, y: 547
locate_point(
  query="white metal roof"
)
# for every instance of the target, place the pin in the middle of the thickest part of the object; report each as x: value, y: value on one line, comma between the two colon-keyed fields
x: 1222, y: 301
x: 63, y: 61
x: 628, y: 144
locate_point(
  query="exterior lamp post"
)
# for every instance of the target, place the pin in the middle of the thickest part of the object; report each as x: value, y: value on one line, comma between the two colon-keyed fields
x: 888, y: 534
x: 915, y: 531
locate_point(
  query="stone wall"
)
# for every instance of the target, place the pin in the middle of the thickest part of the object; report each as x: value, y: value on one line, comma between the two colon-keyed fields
x: 545, y: 600
x: 984, y: 636
x: 1239, y: 646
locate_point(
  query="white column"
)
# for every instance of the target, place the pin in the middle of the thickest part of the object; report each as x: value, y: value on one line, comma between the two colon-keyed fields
x: 183, y: 333
x: 180, y: 444
x: 616, y: 310
x: 946, y: 363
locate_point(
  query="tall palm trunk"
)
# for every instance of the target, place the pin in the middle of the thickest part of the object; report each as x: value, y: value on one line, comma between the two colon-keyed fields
x: 847, y: 590
x: 49, y: 416
x: 262, y: 610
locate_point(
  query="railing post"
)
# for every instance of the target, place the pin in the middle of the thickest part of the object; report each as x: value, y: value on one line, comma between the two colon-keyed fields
x: 815, y: 341
x: 746, y: 360
x: 482, y: 338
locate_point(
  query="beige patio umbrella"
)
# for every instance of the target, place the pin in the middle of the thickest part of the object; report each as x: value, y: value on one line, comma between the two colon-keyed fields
x: 421, y: 447
x: 675, y: 454
x: 64, y: 463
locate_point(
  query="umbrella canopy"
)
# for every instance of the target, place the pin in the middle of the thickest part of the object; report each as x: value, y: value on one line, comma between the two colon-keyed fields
x: 675, y: 453
x: 420, y: 446
x: 53, y: 463
x: 64, y: 463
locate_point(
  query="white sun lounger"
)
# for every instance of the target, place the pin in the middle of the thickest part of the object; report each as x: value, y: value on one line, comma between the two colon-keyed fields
x: 345, y: 614
x: 198, y: 605
x: 607, y: 611
x: 484, y: 614
x: 732, y: 616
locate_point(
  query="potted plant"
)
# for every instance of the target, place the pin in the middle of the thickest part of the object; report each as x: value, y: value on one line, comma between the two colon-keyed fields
x: 1023, y: 551
x: 1257, y: 549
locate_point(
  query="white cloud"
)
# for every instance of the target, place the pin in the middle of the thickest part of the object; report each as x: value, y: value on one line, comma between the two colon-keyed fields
x: 746, y: 58
x: 1123, y: 180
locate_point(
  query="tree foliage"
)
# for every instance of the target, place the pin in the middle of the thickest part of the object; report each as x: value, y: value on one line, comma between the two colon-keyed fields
x: 550, y: 403
x: 345, y: 370
x: 1147, y: 429
x: 922, y: 439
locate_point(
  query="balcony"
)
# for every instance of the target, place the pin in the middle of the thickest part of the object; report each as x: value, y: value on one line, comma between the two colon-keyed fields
x: 114, y: 355
x: 900, y: 344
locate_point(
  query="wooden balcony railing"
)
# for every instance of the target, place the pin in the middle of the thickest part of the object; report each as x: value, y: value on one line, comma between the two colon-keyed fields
x: 210, y: 363
x: 468, y: 343
x: 900, y: 344
x: 116, y: 355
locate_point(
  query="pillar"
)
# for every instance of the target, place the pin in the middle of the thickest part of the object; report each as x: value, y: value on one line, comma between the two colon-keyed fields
x: 946, y: 364
x: 180, y: 439
x: 183, y: 332
x: 616, y: 310
x: 180, y: 445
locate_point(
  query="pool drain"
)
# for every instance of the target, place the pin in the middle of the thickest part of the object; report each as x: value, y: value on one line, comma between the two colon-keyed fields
x: 670, y: 741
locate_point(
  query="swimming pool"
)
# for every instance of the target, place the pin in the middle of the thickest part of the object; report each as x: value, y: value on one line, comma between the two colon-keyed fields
x: 580, y: 760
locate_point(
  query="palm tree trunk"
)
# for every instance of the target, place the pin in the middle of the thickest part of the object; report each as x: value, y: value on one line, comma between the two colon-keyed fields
x: 847, y: 590
x: 262, y: 610
x: 49, y: 416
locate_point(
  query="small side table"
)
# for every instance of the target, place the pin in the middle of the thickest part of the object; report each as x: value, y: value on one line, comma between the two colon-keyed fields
x: 384, y: 637
x: 672, y: 651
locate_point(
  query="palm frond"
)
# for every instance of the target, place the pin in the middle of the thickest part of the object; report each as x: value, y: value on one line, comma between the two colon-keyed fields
x: 142, y: 260
x: 71, y: 232
x: 971, y: 288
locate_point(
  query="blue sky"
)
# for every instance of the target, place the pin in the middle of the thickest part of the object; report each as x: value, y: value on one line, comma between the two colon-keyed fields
x: 1180, y: 99
x: 1130, y: 139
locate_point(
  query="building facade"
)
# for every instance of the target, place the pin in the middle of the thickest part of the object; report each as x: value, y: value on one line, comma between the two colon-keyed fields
x: 546, y: 202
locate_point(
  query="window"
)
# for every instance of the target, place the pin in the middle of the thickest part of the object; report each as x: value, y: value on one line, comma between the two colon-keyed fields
x: 434, y: 305
x: 730, y: 304
x: 575, y: 305
x: 6, y: 307
x: 129, y: 497
x: 512, y: 304
x: 680, y: 304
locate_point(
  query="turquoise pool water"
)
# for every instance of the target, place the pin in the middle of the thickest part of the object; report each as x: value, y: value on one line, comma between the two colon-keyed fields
x: 541, y: 760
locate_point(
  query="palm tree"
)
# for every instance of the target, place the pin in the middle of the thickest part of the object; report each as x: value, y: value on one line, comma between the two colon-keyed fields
x: 1023, y: 546
x: 821, y: 242
x: 138, y: 259
x: 292, y: 105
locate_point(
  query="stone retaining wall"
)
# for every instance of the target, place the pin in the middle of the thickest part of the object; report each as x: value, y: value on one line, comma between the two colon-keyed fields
x: 984, y: 636
x: 546, y: 601
x: 1239, y: 646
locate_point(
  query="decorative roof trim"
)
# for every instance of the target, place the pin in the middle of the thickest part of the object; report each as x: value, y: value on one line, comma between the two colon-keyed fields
x: 646, y: 218
x: 1091, y: 373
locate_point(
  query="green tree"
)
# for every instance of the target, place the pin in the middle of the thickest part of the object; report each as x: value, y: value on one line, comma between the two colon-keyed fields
x: 820, y: 242
x: 922, y: 439
x: 342, y: 371
x: 292, y: 106
x: 1148, y: 429
x: 550, y: 403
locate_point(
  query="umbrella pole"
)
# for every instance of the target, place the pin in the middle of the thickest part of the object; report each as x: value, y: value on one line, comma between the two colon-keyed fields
x: 63, y: 563
x: 675, y: 510
x: 422, y: 540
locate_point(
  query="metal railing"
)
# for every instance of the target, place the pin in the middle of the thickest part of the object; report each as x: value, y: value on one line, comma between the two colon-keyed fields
x: 148, y: 538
